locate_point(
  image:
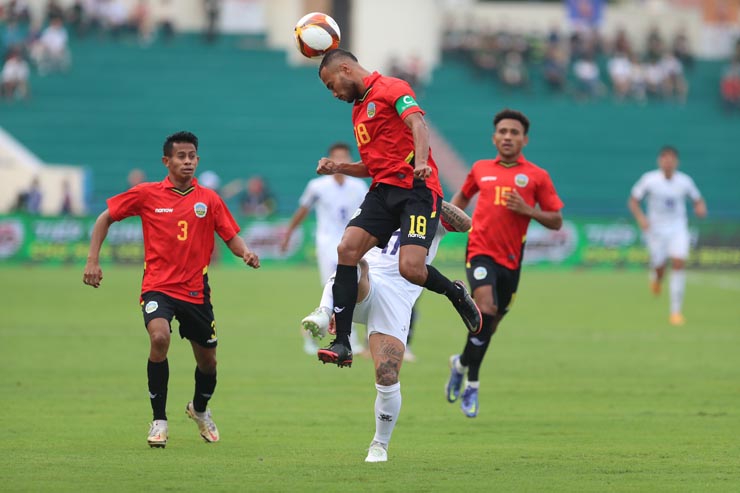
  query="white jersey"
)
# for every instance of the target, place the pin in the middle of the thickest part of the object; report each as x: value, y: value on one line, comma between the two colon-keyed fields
x: 666, y: 198
x: 334, y: 204
x: 384, y: 262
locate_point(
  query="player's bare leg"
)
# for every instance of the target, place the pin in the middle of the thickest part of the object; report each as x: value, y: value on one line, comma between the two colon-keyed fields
x: 412, y: 266
x: 656, y: 279
x: 387, y: 353
x: 677, y: 289
x: 355, y: 243
x: 158, y: 374
x: 205, y: 385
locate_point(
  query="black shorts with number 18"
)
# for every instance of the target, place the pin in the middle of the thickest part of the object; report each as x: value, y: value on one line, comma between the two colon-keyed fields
x: 387, y: 208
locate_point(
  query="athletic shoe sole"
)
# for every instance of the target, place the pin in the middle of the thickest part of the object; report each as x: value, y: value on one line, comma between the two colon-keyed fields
x: 328, y: 356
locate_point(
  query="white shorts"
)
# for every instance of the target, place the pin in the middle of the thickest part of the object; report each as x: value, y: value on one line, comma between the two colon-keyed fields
x: 664, y: 244
x: 385, y: 310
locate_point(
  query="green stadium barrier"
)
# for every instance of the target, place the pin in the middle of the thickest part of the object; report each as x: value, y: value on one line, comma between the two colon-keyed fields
x: 582, y: 242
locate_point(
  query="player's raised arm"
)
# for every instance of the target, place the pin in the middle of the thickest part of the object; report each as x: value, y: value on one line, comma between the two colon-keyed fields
x: 239, y: 248
x: 456, y: 217
x: 93, y: 273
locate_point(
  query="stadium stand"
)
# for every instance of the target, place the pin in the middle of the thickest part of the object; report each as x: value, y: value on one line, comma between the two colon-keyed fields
x: 256, y: 115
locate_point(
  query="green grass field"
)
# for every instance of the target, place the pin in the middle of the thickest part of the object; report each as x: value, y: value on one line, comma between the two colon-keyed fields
x: 586, y: 388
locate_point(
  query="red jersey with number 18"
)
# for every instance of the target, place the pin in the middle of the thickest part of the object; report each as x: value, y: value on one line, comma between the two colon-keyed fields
x: 178, y: 231
x: 498, y: 232
x: 385, y: 142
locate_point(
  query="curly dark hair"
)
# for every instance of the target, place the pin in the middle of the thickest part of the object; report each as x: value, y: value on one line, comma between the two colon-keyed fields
x: 508, y: 114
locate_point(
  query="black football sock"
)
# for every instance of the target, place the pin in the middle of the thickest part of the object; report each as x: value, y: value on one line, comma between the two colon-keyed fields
x: 476, y: 347
x: 204, y: 388
x: 437, y: 282
x: 159, y: 376
x: 345, y: 297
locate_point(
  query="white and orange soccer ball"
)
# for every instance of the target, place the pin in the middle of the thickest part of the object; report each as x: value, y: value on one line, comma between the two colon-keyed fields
x: 316, y: 34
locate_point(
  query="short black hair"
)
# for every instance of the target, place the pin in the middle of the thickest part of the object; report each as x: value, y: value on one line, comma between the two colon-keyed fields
x: 668, y: 148
x: 179, y: 137
x: 508, y: 114
x: 343, y: 146
x: 334, y: 54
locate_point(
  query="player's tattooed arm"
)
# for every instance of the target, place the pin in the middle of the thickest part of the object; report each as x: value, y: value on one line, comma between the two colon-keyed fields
x: 456, y: 217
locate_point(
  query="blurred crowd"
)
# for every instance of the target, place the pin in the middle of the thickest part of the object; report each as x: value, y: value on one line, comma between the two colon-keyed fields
x: 28, y: 43
x: 582, y: 64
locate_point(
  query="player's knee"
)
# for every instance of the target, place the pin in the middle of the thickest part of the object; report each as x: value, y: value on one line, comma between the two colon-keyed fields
x: 487, y: 307
x: 677, y: 264
x: 348, y: 254
x: 413, y: 272
x: 208, y: 367
x: 387, y: 373
x: 160, y: 340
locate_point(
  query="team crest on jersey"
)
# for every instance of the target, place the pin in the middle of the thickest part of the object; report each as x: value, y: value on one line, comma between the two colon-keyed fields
x: 370, y: 110
x: 480, y: 273
x: 151, y: 307
x: 200, y: 209
x: 521, y: 180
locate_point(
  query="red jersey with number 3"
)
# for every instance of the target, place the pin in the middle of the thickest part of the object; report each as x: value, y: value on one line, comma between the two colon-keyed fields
x: 385, y: 142
x: 178, y: 234
x: 498, y: 232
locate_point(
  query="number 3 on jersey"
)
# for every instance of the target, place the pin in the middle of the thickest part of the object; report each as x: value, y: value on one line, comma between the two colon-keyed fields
x: 361, y: 134
x: 183, y: 225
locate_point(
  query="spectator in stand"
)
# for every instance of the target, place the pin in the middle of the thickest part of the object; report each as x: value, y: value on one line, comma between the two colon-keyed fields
x: 18, y: 11
x: 29, y: 201
x: 166, y: 19
x: 257, y: 200
x: 654, y: 76
x: 620, y: 74
x: 115, y: 17
x: 14, y: 77
x: 674, y: 82
x: 555, y: 66
x: 54, y: 10
x: 67, y: 208
x: 682, y: 49
x: 513, y: 71
x: 50, y: 52
x: 588, y: 77
x: 14, y: 36
x: 212, y: 9
x: 638, y: 78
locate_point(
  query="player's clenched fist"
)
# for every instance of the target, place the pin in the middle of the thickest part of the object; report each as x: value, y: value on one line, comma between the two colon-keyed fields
x: 326, y: 166
x: 93, y: 275
x: 251, y: 259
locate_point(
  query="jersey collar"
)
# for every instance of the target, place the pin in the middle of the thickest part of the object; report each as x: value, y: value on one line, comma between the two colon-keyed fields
x: 520, y: 160
x: 368, y: 81
x: 166, y: 183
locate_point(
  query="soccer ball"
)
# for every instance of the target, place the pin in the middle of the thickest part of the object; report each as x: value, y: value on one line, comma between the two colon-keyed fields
x: 315, y: 34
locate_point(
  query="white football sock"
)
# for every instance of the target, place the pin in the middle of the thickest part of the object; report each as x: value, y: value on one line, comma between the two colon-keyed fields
x: 458, y: 366
x: 387, y: 409
x: 678, y: 286
x: 327, y: 297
